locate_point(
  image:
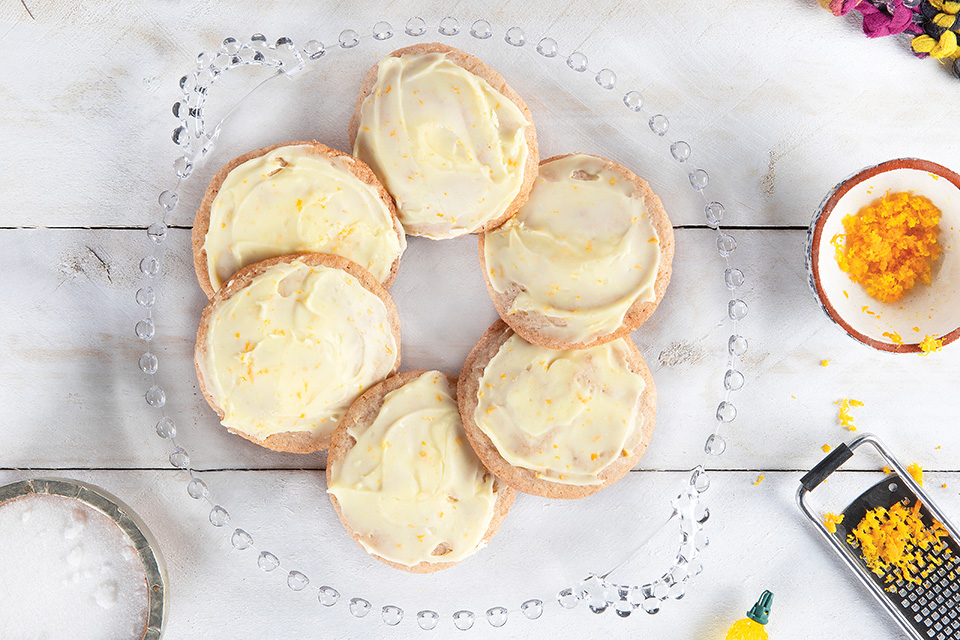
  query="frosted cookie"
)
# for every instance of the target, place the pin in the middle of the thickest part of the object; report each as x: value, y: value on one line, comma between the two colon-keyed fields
x: 287, y: 344
x: 451, y: 141
x: 587, y: 258
x: 404, y: 480
x: 557, y: 424
x: 290, y: 198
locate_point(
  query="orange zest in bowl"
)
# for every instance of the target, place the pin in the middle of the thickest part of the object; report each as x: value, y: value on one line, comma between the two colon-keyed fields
x: 890, y: 244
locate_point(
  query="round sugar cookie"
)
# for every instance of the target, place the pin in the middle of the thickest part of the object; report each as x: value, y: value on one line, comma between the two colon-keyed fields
x: 556, y: 423
x: 287, y: 344
x: 452, y: 142
x: 404, y: 481
x: 295, y: 197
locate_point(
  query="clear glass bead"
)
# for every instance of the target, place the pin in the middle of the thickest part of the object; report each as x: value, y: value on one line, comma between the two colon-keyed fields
x: 241, y: 539
x: 204, y: 60
x: 497, y: 616
x: 677, y: 591
x: 382, y: 31
x: 633, y: 100
x: 532, y: 609
x: 714, y: 214
x: 177, y: 108
x: 359, y: 607
x: 463, y: 620
x: 284, y: 44
x: 726, y: 412
x: 150, y: 266
x: 481, y: 30
x: 428, y: 620
x: 349, y: 39
x: 606, y: 78
x: 699, y: 480
x: 715, y: 445
x: 157, y: 232
x: 268, y: 562
x: 623, y: 608
x: 145, y: 329
x: 148, y: 363
x: 651, y: 605
x: 314, y: 49
x: 180, y: 136
x: 659, y: 124
x: 733, y: 278
x: 732, y: 380
x: 258, y: 38
x: 197, y: 489
x: 701, y: 541
x: 186, y: 84
x: 179, y: 458
x: 547, y: 47
x: 515, y: 37
x: 737, y: 345
x: 701, y: 513
x: 146, y: 297
x: 699, y: 180
x: 415, y: 27
x: 219, y: 516
x: 680, y: 151
x: 230, y: 46
x: 297, y: 581
x: 391, y: 615
x: 737, y: 309
x: 568, y: 598
x: 449, y: 26
x: 328, y: 596
x: 635, y: 596
x: 182, y: 167
x: 166, y: 427
x: 577, y: 61
x: 726, y: 244
x: 155, y: 397
x: 221, y: 62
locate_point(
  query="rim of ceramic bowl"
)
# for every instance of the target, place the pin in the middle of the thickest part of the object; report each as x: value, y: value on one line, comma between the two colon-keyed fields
x: 124, y: 517
x: 815, y: 232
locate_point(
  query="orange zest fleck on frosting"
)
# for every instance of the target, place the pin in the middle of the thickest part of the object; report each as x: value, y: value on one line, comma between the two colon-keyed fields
x: 758, y: 480
x: 826, y: 448
x: 889, y: 245
x: 824, y: 363
x: 894, y: 337
x: 830, y: 521
x: 892, y: 542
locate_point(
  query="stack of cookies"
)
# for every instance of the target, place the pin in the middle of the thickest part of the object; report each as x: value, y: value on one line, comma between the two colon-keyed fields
x: 298, y: 349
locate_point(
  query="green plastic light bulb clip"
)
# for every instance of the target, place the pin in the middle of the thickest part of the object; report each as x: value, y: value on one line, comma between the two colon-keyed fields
x: 761, y: 611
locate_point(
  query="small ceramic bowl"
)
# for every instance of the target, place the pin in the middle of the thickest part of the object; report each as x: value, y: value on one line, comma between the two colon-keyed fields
x: 932, y: 310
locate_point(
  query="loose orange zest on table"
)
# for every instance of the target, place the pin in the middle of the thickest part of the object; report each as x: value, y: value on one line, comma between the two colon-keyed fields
x: 846, y: 420
x: 889, y: 245
x: 891, y: 542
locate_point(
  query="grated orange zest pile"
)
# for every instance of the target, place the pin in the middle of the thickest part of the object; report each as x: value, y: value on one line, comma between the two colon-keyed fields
x: 830, y: 521
x: 916, y: 472
x: 892, y: 541
x: 889, y: 245
x: 929, y: 345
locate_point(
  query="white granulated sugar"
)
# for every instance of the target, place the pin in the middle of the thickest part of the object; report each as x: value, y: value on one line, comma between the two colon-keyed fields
x: 67, y: 571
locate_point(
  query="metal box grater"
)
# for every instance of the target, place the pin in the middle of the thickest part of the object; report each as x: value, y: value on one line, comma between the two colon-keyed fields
x: 926, y: 611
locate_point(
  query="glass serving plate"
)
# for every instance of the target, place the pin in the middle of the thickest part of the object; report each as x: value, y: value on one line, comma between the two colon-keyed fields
x: 572, y: 553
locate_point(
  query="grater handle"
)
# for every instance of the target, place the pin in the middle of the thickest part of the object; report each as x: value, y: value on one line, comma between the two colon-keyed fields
x: 826, y: 466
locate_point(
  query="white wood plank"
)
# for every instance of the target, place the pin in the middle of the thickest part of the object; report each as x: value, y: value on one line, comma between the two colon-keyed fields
x: 70, y: 325
x: 755, y: 544
x: 775, y: 118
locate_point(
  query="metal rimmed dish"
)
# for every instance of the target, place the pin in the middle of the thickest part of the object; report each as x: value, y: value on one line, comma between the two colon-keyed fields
x: 933, y: 310
x: 124, y: 517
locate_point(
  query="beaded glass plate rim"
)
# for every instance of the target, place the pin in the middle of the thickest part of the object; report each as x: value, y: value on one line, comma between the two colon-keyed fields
x: 195, y: 141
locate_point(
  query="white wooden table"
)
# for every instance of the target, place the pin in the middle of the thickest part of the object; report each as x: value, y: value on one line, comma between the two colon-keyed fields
x: 778, y: 101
